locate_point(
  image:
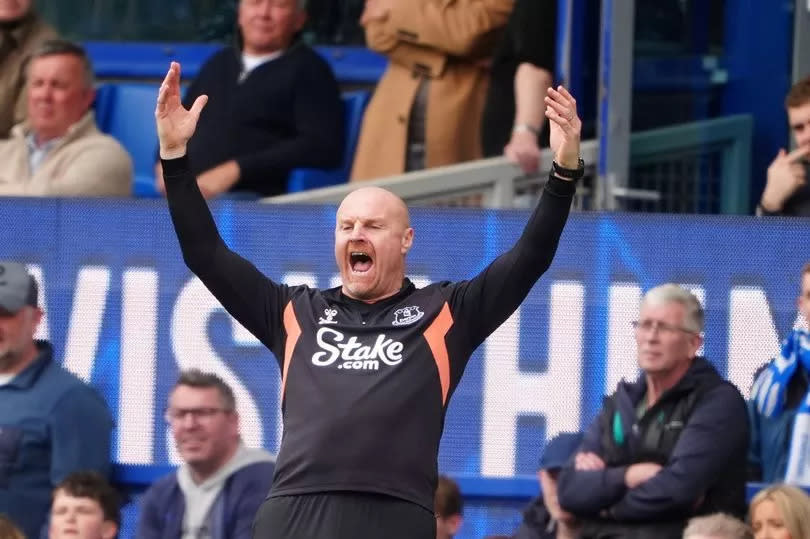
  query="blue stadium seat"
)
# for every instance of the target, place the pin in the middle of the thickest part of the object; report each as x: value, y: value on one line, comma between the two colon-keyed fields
x: 354, y: 105
x: 127, y: 112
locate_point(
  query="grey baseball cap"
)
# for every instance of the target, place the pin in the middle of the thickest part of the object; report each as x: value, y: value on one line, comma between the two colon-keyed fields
x: 17, y: 287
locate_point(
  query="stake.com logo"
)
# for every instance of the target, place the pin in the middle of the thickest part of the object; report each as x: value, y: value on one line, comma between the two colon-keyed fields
x: 355, y: 354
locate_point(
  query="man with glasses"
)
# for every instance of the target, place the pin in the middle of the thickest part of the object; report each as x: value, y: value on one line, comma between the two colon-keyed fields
x: 221, y: 483
x: 668, y: 446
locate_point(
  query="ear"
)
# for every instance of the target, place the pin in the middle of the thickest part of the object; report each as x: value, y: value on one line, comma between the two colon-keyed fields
x: 407, y: 240
x: 454, y: 523
x: 696, y: 341
x: 109, y: 529
x: 89, y: 97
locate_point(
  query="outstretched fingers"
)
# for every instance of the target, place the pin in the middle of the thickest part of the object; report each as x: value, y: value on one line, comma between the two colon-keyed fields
x: 561, y: 108
x: 169, y: 88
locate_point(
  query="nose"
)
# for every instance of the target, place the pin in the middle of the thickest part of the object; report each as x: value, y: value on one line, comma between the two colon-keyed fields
x: 264, y: 9
x: 187, y: 421
x: 43, y: 92
x: 356, y: 233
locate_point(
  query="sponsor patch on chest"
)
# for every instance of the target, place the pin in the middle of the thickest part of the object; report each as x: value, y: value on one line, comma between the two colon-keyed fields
x: 354, y: 353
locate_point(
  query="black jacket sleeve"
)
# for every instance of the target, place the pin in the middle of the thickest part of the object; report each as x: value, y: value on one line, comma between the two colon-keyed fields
x: 715, y: 434
x: 500, y: 288
x: 586, y: 493
x: 250, y: 297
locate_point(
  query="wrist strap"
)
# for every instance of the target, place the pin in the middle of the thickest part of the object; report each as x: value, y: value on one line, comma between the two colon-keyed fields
x: 526, y: 128
x: 568, y: 173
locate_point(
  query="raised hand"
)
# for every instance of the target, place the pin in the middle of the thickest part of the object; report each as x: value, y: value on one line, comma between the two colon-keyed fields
x: 175, y: 124
x: 566, y: 127
x: 785, y: 175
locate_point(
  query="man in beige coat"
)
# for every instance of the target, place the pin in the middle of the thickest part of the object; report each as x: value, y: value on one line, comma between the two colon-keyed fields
x: 59, y: 151
x: 21, y: 30
x: 434, y: 86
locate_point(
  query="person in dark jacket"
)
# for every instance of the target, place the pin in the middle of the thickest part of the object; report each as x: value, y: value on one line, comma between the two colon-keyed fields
x: 786, y: 189
x: 274, y: 106
x: 670, y: 445
x: 522, y: 70
x: 221, y: 484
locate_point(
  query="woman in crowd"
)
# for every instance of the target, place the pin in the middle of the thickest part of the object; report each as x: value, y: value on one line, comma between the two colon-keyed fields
x: 780, y: 512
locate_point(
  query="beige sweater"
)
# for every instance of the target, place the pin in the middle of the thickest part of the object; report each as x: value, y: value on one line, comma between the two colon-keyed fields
x: 84, y: 163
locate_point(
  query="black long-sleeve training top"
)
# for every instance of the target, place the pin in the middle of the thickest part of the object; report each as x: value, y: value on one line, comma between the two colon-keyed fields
x: 365, y: 387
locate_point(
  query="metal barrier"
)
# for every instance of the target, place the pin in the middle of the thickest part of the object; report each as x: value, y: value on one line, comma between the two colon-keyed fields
x: 702, y: 167
x: 489, y: 183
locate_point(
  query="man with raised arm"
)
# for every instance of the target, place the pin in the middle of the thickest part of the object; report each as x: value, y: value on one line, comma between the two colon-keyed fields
x: 367, y: 367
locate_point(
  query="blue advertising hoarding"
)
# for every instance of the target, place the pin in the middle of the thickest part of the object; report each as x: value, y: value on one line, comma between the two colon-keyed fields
x: 125, y: 313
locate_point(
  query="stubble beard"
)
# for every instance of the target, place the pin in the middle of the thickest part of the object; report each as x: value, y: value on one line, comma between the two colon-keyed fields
x: 9, y: 359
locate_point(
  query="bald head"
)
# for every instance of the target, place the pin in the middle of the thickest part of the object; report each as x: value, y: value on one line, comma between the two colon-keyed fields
x: 372, y: 237
x: 377, y: 198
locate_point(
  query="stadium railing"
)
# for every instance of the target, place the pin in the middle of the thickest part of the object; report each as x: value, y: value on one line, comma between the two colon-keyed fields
x: 700, y: 167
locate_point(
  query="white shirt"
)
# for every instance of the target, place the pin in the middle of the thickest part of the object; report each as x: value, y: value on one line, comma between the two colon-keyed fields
x: 252, y: 61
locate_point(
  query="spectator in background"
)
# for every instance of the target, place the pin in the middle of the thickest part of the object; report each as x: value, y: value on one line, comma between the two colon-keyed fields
x: 449, y: 508
x: 522, y: 71
x: 717, y: 526
x: 221, y: 483
x: 779, y: 394
x: 786, y: 189
x: 53, y: 424
x: 21, y: 31
x: 668, y: 446
x: 8, y: 530
x: 58, y: 150
x: 274, y: 106
x: 426, y: 109
x: 544, y: 518
x: 85, y: 506
x: 780, y: 512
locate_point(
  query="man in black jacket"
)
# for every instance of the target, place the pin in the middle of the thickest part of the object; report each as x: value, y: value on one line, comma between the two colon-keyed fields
x: 668, y: 446
x: 275, y: 106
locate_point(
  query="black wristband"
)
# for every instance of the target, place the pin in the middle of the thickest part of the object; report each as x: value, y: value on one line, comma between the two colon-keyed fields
x: 568, y: 173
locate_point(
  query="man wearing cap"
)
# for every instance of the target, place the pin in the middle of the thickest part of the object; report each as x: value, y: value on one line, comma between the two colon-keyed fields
x: 51, y: 422
x: 544, y: 518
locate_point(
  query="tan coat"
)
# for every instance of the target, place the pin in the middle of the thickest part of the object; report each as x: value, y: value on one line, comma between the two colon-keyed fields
x: 15, y: 47
x: 85, y: 162
x: 449, y: 42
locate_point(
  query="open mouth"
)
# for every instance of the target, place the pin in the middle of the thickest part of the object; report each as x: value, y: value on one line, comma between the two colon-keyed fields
x: 360, y: 261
